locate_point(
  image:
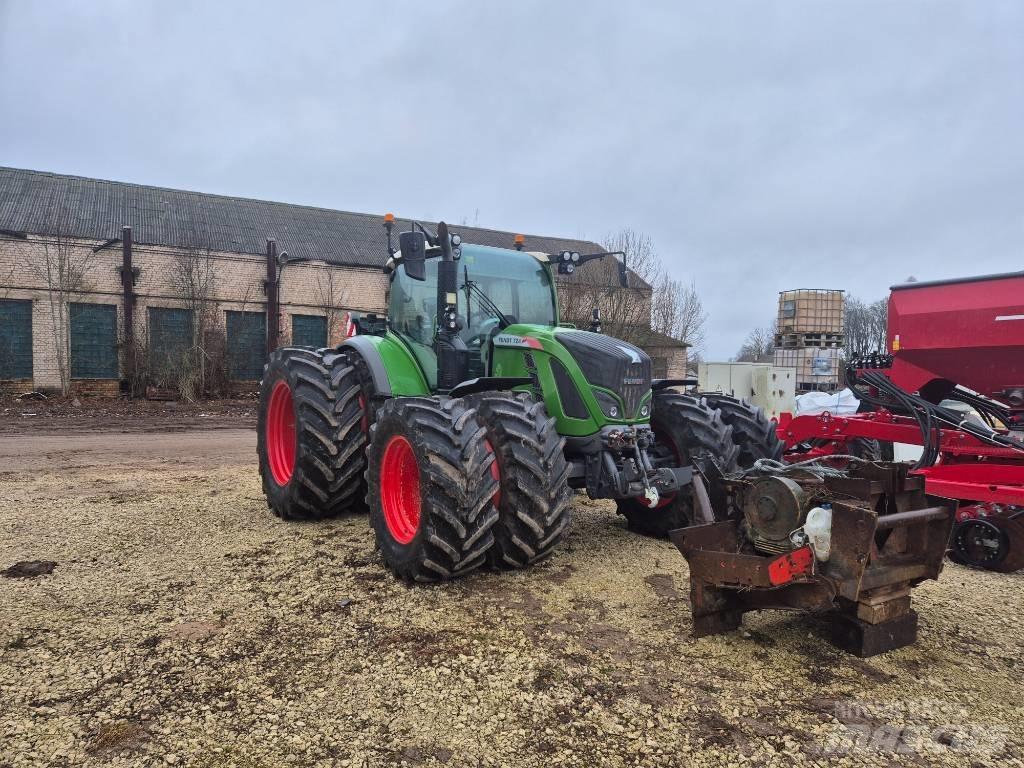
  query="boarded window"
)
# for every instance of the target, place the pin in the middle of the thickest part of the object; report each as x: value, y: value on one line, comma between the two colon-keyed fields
x: 170, y: 340
x: 15, y: 339
x: 247, y: 345
x: 94, y: 341
x: 309, y: 331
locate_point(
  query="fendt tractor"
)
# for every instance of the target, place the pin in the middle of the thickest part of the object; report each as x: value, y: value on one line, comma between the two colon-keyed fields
x: 465, y: 419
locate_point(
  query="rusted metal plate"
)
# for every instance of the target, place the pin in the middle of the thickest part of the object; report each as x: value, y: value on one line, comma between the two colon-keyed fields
x: 716, y: 536
x: 853, y: 531
x: 729, y: 569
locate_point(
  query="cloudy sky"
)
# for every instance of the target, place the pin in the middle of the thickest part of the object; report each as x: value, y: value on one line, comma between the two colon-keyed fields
x: 762, y: 145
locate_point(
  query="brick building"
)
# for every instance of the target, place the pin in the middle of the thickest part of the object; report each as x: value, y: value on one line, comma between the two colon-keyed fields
x: 199, y: 285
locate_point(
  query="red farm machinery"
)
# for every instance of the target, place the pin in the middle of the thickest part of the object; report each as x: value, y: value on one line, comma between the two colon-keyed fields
x: 952, y: 383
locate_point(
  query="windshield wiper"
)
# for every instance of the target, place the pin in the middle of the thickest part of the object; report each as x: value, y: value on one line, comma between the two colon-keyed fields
x: 485, y: 300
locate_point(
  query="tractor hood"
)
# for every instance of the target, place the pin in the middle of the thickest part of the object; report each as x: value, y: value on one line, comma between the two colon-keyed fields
x: 611, y: 364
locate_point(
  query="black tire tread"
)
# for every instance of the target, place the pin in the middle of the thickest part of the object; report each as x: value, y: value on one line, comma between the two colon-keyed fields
x: 330, y: 454
x: 535, y: 508
x: 456, y: 486
x: 752, y: 431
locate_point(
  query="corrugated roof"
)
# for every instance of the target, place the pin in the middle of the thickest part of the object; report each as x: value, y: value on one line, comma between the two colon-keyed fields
x: 40, y: 203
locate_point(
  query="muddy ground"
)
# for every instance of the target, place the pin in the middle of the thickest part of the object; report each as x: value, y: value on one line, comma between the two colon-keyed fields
x: 181, y: 624
x: 60, y: 415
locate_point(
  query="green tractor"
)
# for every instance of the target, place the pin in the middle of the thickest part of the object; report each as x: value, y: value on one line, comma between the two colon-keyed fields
x: 465, y: 420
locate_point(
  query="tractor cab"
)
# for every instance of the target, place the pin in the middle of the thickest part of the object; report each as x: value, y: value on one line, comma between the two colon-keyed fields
x: 496, y: 287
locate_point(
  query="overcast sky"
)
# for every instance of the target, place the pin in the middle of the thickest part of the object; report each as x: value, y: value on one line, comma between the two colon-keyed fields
x: 762, y: 145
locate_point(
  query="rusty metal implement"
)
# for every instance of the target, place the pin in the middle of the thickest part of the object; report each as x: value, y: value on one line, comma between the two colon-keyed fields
x: 886, y: 537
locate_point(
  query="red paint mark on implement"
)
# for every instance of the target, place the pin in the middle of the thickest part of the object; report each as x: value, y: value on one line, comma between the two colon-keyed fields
x: 799, y: 562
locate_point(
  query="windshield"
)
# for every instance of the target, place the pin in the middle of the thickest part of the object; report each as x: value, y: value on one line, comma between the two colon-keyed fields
x: 516, y: 283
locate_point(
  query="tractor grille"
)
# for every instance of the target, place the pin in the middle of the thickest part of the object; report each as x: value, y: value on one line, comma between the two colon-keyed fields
x: 612, y: 364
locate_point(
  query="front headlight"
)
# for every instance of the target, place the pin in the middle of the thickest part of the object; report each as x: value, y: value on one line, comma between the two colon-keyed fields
x: 644, y: 412
x: 610, y: 406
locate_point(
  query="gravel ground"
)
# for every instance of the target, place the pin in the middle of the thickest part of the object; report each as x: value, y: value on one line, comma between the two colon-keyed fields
x: 183, y: 625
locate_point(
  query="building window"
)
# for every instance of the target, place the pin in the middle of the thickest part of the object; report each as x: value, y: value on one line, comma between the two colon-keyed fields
x: 15, y: 339
x: 309, y: 331
x: 93, y: 341
x: 659, y: 367
x: 247, y: 345
x: 170, y: 340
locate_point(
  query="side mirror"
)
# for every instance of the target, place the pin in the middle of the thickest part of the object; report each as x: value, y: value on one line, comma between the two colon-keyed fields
x: 413, y: 246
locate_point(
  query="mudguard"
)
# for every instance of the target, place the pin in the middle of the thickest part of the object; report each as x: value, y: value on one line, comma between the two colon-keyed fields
x: 394, y: 370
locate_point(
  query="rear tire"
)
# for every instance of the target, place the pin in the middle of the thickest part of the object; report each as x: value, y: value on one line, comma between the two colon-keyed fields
x: 431, y: 488
x: 685, y: 427
x: 752, y: 431
x: 534, y: 500
x: 309, y: 442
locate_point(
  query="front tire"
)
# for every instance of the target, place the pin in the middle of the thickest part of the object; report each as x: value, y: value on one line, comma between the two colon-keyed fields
x: 309, y: 441
x: 431, y: 488
x: 684, y: 427
x: 534, y: 499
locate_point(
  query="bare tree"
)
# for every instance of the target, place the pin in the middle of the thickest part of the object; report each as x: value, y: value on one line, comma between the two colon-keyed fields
x: 6, y: 280
x: 331, y: 296
x: 759, y: 346
x: 194, y: 279
x: 677, y: 311
x: 866, y: 327
x: 62, y: 269
x: 693, y: 360
x: 653, y: 299
x: 624, y: 311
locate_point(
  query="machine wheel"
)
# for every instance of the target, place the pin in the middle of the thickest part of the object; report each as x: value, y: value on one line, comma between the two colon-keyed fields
x: 309, y: 442
x: 367, y: 411
x: 865, y: 448
x: 752, y: 431
x: 431, y: 488
x: 534, y: 495
x: 684, y: 427
x: 980, y: 543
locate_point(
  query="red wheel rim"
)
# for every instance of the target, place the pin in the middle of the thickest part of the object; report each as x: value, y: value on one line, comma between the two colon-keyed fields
x: 400, y: 490
x: 281, y: 433
x: 495, y: 472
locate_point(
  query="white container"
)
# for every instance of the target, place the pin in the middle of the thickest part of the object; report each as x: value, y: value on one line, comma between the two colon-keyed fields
x: 768, y: 387
x: 819, y: 532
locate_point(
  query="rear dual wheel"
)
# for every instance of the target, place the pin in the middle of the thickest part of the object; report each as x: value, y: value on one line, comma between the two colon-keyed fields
x: 310, y: 433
